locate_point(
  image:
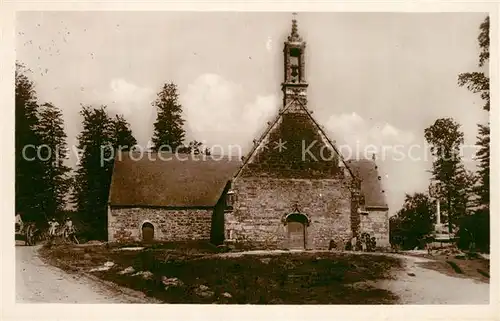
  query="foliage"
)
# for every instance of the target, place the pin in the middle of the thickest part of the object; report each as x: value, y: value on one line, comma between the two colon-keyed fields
x: 475, y: 231
x: 455, y: 267
x: 446, y: 140
x: 100, y: 138
x: 194, y: 147
x: 168, y: 128
x: 53, y: 155
x: 123, y: 137
x: 478, y: 82
x: 483, y: 156
x: 413, y: 223
x: 475, y: 228
x: 29, y: 171
x: 92, y: 179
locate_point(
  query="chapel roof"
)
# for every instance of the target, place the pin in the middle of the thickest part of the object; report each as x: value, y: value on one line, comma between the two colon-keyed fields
x: 152, y: 182
x: 149, y: 181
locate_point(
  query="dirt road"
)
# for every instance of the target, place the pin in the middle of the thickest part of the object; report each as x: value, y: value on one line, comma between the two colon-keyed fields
x: 37, y: 282
x: 419, y: 285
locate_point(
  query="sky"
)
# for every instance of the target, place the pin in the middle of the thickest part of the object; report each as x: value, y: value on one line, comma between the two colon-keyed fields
x: 375, y: 79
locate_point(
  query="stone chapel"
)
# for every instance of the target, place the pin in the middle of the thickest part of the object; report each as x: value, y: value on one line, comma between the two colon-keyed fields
x: 293, y: 190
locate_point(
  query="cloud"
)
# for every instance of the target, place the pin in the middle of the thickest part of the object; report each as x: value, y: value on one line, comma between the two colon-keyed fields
x: 134, y: 103
x: 357, y: 133
x: 269, y: 44
x: 360, y: 138
x: 218, y: 113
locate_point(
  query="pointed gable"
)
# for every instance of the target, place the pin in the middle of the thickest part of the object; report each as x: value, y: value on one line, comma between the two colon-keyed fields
x: 294, y: 146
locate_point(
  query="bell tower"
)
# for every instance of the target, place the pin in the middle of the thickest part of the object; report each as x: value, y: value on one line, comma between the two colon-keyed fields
x: 294, y: 86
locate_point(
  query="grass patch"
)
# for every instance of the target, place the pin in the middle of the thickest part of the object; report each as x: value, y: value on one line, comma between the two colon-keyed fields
x: 455, y: 267
x: 483, y: 273
x: 289, y: 278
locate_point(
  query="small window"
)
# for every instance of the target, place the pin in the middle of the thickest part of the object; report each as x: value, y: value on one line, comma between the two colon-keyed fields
x: 294, y: 52
x: 230, y: 198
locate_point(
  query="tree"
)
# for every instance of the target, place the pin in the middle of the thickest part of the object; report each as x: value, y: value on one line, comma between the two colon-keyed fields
x: 476, y: 228
x: 123, y: 137
x: 446, y: 140
x: 478, y: 82
x: 101, y: 137
x: 92, y: 179
x: 168, y: 128
x: 194, y: 147
x: 29, y: 185
x: 413, y: 223
x: 53, y: 152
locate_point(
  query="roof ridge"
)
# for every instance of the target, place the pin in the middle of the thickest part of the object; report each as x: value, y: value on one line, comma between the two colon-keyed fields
x: 261, y: 138
x: 326, y: 136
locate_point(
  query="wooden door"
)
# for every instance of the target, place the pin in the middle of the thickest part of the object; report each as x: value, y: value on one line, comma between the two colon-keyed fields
x: 296, y: 235
x: 148, y: 232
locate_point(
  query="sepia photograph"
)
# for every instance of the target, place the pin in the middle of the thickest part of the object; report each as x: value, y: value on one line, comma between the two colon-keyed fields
x: 262, y: 158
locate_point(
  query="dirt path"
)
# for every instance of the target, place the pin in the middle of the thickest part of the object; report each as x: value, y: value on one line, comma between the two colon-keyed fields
x: 38, y: 282
x: 432, y: 287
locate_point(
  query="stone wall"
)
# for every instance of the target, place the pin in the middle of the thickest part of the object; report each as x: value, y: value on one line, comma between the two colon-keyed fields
x: 376, y: 223
x: 261, y: 204
x: 125, y: 224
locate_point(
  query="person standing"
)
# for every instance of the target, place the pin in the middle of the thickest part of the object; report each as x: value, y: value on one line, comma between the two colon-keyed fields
x: 19, y: 223
x: 69, y: 230
x: 53, y: 224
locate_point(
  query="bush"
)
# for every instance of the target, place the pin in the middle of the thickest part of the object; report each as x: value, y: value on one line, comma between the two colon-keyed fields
x: 475, y: 229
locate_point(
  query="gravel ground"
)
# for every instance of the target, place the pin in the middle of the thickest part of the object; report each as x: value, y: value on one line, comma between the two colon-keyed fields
x: 38, y: 282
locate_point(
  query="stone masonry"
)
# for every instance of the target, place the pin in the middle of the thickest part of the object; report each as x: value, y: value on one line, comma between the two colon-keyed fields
x: 262, y: 204
x: 125, y: 224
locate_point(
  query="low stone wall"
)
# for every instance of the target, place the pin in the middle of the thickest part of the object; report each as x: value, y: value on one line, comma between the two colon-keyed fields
x: 125, y: 224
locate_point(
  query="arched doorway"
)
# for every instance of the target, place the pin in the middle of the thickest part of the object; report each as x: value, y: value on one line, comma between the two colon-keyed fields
x: 148, y: 232
x: 296, y: 224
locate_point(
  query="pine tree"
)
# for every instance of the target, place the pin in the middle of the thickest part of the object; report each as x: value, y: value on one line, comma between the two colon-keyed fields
x: 92, y: 179
x: 478, y: 82
x: 53, y: 152
x: 483, y: 155
x: 123, y: 138
x: 475, y: 229
x: 29, y: 185
x: 100, y: 139
x: 168, y: 129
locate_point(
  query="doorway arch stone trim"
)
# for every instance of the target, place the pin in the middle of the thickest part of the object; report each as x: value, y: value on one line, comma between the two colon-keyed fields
x: 286, y: 218
x: 141, y: 226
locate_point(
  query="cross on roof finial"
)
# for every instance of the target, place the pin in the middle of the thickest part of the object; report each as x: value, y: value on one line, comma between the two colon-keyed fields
x: 294, y: 36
